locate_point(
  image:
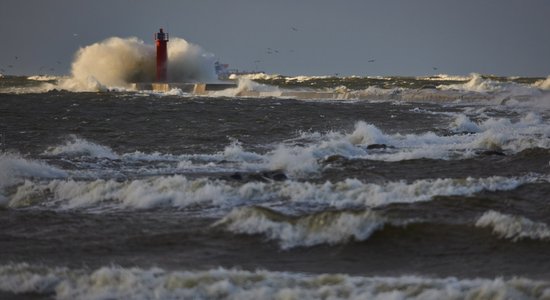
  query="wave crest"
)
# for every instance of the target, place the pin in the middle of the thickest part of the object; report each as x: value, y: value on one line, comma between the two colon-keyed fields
x: 514, y: 228
x: 76, y: 146
x: 322, y: 228
x: 114, y: 282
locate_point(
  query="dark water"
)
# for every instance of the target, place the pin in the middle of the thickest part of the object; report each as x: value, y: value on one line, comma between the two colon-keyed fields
x: 186, y: 183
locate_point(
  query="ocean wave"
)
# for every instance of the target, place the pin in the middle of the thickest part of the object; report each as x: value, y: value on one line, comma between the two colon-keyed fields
x: 491, y: 134
x: 13, y: 167
x: 543, y: 84
x: 115, y: 282
x: 329, y: 227
x: 249, y: 88
x: 514, y: 228
x: 173, y: 191
x: 75, y: 146
x: 446, y: 77
x: 44, y: 77
x: 484, y: 85
x: 180, y: 192
x: 305, y: 155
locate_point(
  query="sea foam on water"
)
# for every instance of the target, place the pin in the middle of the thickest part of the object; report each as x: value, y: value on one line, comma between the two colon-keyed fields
x: 114, y: 282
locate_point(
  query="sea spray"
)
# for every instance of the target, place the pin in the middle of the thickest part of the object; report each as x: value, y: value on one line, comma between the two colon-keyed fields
x: 116, y: 62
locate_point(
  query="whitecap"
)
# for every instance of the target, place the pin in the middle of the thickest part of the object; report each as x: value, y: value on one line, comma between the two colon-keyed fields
x: 115, y: 282
x: 512, y: 227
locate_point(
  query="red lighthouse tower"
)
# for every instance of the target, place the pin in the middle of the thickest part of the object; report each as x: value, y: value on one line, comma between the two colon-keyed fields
x: 162, y: 55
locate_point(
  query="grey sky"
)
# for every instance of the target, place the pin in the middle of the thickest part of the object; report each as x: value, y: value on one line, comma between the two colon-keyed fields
x: 404, y: 37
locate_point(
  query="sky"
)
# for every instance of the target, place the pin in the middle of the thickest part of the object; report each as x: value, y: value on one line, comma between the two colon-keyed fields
x: 294, y: 37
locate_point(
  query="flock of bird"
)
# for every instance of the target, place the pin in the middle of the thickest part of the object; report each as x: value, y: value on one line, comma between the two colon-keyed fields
x: 17, y: 59
x: 273, y: 51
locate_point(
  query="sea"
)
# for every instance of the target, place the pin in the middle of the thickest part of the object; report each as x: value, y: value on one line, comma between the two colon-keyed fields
x: 283, y: 187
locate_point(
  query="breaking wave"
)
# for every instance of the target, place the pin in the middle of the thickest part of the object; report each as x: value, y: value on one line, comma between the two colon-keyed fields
x: 322, y: 228
x: 310, y: 152
x: 76, y: 146
x: 514, y: 228
x: 180, y: 192
x: 14, y: 169
x: 484, y: 85
x: 543, y: 84
x: 44, y: 77
x: 115, y: 282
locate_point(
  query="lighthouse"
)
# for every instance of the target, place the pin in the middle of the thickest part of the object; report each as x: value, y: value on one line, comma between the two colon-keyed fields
x: 161, y: 39
x: 162, y: 84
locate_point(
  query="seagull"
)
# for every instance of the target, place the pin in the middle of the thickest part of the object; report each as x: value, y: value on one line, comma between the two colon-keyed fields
x: 75, y: 34
x: 294, y: 28
x: 372, y: 60
x: 17, y: 57
x: 435, y: 68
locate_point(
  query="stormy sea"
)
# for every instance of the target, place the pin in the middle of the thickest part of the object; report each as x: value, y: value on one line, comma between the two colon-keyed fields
x: 433, y: 187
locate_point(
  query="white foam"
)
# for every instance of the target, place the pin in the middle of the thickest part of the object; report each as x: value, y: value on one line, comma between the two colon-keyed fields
x: 248, y: 88
x: 446, y: 77
x: 135, y: 283
x: 543, y: 84
x: 180, y: 192
x: 354, y: 193
x: 495, y: 92
x: 328, y: 227
x: 463, y: 124
x: 491, y: 133
x: 14, y: 169
x: 512, y: 227
x: 476, y: 84
x: 302, y: 156
x: 538, y: 102
x: 43, y: 77
x: 171, y: 191
x: 76, y: 146
x: 255, y: 76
